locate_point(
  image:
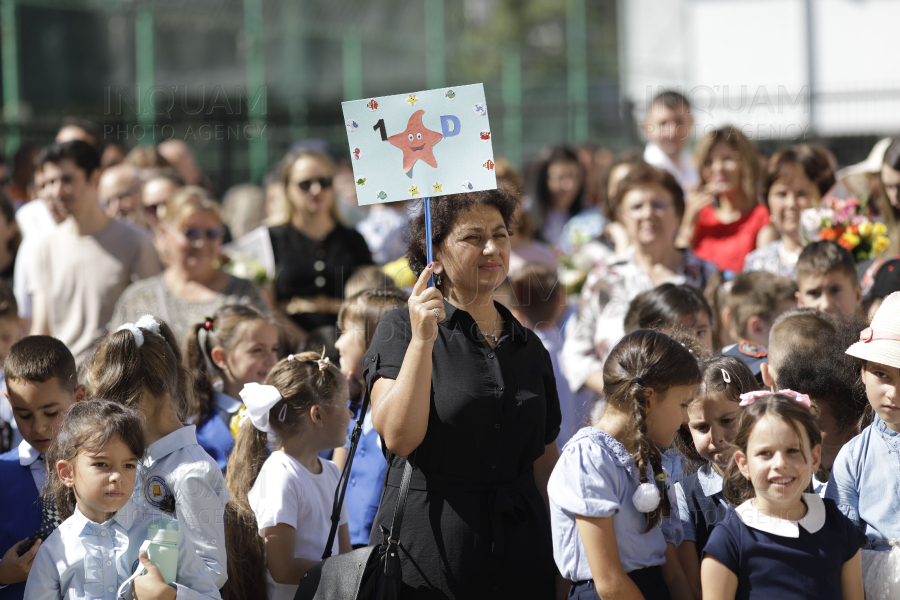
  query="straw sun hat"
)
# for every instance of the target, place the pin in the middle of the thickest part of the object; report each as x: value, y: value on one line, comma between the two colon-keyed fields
x: 880, y: 341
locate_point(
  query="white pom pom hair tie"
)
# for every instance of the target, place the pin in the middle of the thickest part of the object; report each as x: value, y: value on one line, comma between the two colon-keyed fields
x: 647, y: 496
x: 146, y: 322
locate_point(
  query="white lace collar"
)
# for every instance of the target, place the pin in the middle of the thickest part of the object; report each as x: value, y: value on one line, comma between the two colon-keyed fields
x: 812, y: 522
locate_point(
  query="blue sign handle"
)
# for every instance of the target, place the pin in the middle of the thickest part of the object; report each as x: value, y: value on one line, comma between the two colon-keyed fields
x: 428, y: 252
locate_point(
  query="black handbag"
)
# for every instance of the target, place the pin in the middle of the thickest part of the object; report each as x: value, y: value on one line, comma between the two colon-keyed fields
x: 370, y: 573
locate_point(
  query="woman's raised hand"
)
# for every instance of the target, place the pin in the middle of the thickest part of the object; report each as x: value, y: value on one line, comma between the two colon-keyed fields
x: 426, y: 307
x: 693, y: 204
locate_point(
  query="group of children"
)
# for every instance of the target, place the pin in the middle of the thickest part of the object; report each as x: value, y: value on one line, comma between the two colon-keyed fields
x: 219, y: 445
x: 767, y: 469
x: 781, y: 476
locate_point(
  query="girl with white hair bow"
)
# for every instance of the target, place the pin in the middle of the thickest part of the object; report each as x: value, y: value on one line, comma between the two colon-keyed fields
x: 139, y: 365
x: 280, y: 513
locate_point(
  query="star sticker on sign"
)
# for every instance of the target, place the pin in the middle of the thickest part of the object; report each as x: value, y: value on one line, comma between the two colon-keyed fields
x: 416, y: 142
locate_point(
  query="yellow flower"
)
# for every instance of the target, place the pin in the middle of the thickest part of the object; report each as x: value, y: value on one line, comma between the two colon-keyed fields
x: 880, y: 244
x: 879, y: 229
x: 851, y: 239
x: 865, y: 229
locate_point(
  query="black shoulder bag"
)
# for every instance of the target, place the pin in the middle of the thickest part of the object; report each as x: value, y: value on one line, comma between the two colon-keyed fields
x: 370, y: 573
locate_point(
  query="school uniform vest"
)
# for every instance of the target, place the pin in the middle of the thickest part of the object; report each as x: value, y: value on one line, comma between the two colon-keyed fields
x: 20, y: 511
x: 214, y: 436
x: 705, y: 510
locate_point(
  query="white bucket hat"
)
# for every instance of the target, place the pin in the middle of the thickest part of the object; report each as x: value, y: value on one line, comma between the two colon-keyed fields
x: 880, y: 341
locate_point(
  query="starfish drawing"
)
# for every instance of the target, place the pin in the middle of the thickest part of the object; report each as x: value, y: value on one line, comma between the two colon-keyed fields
x: 416, y: 142
x: 412, y: 99
x: 413, y: 190
x: 437, y: 188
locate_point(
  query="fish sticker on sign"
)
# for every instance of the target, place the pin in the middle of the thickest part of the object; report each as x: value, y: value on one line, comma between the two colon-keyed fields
x: 411, y: 145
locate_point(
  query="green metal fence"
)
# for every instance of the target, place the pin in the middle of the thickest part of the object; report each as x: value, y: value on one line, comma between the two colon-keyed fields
x: 240, y: 80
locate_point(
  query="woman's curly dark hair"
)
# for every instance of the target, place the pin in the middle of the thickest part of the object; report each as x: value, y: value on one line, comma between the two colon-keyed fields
x: 445, y: 210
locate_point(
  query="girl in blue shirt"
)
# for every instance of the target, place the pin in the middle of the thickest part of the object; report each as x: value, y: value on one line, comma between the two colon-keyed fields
x: 705, y: 444
x: 94, y: 552
x: 358, y: 323
x: 865, y: 478
x: 780, y: 542
x: 614, y: 520
x: 235, y: 346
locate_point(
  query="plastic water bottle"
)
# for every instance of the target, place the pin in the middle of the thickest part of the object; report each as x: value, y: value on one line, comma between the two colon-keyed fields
x: 162, y: 547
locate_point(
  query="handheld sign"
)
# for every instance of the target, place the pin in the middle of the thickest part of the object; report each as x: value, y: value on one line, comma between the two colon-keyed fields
x: 413, y: 146
x: 420, y: 145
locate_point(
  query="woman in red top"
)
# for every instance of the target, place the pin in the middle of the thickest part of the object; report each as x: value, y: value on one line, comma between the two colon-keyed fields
x: 723, y: 219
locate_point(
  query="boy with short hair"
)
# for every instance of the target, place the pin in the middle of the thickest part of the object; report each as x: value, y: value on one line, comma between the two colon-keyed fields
x: 803, y: 331
x: 41, y: 386
x: 668, y: 128
x: 756, y: 299
x: 827, y: 279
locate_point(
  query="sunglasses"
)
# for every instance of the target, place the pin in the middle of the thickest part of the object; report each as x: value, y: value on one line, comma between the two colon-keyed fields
x: 324, y: 183
x: 195, y: 235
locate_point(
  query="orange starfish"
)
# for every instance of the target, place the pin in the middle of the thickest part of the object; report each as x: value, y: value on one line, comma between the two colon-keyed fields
x: 416, y: 142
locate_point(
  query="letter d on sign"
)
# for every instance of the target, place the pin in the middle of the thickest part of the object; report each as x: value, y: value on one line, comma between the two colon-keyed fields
x: 449, y: 126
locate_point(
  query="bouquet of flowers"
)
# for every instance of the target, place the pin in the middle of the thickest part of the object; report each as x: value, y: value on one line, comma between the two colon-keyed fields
x: 847, y: 222
x: 246, y: 267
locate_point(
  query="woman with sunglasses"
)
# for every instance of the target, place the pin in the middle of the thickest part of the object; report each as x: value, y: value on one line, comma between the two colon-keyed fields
x: 314, y: 252
x: 191, y: 287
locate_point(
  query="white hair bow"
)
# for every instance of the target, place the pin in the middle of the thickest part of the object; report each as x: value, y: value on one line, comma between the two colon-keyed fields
x: 259, y: 400
x: 145, y: 322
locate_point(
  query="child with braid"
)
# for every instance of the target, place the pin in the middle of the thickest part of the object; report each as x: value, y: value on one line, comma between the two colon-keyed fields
x: 612, y: 508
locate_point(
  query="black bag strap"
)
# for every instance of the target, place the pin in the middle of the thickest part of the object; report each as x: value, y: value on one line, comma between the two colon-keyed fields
x: 394, y: 537
x: 345, y: 479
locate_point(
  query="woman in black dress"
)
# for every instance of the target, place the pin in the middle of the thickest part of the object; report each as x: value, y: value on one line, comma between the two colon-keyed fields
x: 467, y: 395
x: 314, y: 253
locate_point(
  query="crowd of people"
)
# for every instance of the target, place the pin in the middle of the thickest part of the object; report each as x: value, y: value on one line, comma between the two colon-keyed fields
x: 710, y: 411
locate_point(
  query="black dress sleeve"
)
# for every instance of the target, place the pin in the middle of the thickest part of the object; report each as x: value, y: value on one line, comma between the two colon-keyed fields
x: 554, y: 414
x: 388, y: 348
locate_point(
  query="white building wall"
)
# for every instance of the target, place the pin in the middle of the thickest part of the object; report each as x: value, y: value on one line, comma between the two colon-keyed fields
x: 745, y: 62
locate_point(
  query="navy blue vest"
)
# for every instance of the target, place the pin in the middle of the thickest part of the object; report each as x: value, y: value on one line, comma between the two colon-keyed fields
x: 705, y: 511
x: 20, y: 508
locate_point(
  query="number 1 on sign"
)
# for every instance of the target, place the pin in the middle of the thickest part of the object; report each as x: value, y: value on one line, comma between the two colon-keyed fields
x: 380, y: 125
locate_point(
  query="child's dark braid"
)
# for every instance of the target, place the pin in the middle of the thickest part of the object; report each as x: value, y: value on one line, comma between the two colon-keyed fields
x: 646, y: 451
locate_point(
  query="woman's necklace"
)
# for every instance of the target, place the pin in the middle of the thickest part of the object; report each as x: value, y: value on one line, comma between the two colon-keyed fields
x: 491, y: 335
